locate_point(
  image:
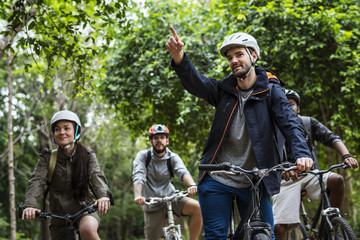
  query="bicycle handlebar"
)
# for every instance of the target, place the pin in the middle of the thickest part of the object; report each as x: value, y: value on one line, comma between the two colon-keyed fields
x: 154, y: 200
x: 330, y: 169
x: 228, y: 168
x: 68, y: 217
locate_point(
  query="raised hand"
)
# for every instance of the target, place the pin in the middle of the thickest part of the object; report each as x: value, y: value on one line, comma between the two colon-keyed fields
x: 175, y: 46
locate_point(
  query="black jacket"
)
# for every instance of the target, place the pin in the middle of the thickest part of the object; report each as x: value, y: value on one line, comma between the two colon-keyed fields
x: 223, y: 95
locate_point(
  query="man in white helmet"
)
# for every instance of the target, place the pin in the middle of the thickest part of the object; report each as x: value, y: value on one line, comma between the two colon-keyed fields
x: 242, y: 130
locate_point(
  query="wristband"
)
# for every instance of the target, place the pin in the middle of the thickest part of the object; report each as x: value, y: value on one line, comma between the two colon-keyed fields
x: 346, y: 156
x: 193, y: 185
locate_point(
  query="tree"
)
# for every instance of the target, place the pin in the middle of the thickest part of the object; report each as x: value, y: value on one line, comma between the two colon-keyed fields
x: 53, y: 38
x: 311, y: 45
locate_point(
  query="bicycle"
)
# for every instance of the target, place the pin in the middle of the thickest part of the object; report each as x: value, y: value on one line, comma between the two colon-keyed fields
x: 172, y: 231
x: 327, y: 223
x: 253, y: 228
x: 73, y: 231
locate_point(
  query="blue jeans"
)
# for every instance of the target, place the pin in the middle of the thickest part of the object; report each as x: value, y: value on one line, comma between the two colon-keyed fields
x: 215, y: 202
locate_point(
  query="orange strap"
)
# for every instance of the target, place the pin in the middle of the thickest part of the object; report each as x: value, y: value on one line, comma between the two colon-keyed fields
x: 270, y: 75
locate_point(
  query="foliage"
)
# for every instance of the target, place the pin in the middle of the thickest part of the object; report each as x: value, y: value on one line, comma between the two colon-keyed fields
x: 311, y: 45
x: 56, y: 46
x: 62, y: 35
x: 140, y: 79
x: 61, y: 50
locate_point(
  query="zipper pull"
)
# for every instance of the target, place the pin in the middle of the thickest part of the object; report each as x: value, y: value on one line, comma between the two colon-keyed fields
x: 226, y: 107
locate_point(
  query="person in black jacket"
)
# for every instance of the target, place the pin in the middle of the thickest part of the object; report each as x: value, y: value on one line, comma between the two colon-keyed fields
x: 242, y: 130
x: 285, y: 217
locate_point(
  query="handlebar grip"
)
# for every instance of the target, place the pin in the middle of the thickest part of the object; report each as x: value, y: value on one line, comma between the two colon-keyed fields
x: 21, y: 209
x: 213, y: 167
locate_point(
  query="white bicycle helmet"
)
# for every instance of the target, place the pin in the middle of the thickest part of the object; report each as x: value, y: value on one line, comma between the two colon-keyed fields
x: 65, y: 115
x: 239, y: 39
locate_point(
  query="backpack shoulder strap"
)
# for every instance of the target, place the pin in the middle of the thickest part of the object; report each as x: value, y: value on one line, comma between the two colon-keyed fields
x: 169, y: 166
x: 278, y: 138
x: 306, y: 123
x: 148, y: 158
x: 52, y: 164
x: 168, y: 163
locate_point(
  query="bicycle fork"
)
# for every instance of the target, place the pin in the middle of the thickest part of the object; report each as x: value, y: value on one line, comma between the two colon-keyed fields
x: 171, y: 229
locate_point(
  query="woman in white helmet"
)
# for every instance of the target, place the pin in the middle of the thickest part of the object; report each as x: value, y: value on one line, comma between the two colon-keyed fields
x: 76, y: 179
x: 242, y: 130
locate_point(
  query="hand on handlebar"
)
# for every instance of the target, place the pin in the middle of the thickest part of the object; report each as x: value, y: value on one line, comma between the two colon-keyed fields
x: 287, y: 175
x: 351, y: 162
x: 192, y: 190
x: 304, y: 164
x: 103, y: 204
x: 29, y: 213
x: 140, y: 201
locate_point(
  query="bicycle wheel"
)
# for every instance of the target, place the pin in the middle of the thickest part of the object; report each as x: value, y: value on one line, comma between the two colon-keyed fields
x: 342, y: 230
x: 261, y: 236
x: 172, y: 237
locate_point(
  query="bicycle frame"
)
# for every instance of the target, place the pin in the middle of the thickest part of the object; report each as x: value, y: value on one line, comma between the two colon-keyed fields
x: 324, y: 210
x: 253, y: 223
x: 171, y: 229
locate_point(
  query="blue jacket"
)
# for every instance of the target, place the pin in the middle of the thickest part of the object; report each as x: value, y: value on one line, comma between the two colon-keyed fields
x: 223, y: 95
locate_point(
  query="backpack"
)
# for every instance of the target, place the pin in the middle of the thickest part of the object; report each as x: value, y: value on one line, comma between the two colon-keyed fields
x: 306, y: 123
x: 278, y: 137
x: 169, y: 164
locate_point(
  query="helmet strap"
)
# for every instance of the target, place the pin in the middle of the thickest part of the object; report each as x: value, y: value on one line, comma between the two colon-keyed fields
x: 252, y: 66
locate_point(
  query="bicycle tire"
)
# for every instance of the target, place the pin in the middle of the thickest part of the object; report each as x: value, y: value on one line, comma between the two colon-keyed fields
x: 172, y: 237
x: 261, y: 236
x: 342, y: 230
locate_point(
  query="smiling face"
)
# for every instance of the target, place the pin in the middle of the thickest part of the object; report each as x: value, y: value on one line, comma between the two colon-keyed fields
x: 64, y: 132
x: 159, y: 142
x: 240, y: 64
x: 239, y: 61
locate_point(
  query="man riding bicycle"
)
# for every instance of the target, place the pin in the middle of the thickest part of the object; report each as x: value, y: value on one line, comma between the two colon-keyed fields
x: 242, y: 131
x: 285, y: 217
x: 153, y: 170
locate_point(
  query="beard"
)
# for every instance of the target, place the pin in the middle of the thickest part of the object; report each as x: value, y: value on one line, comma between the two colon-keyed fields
x: 159, y: 149
x: 241, y: 73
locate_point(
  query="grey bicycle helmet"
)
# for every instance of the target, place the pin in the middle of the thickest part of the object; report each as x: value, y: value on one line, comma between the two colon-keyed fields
x: 239, y: 39
x: 65, y: 115
x: 158, y: 129
x: 293, y: 95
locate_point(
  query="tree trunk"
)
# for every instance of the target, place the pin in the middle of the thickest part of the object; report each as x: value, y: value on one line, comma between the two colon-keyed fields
x: 11, y: 152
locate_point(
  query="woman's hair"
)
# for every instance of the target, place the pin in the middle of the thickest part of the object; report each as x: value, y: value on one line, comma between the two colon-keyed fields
x: 80, y: 177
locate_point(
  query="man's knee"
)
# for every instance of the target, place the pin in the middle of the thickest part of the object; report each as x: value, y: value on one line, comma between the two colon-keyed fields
x: 191, y: 207
x: 336, y: 181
